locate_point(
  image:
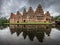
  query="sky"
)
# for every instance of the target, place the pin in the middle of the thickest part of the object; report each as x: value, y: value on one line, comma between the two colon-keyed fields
x: 8, y: 6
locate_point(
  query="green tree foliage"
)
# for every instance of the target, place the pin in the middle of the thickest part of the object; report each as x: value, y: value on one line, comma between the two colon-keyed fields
x: 3, y: 20
x: 57, y: 17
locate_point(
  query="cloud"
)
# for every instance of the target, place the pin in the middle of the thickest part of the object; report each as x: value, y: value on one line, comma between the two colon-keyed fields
x: 11, y: 6
x: 8, y: 6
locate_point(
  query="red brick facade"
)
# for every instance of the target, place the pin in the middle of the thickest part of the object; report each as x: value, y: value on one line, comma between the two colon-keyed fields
x: 31, y: 16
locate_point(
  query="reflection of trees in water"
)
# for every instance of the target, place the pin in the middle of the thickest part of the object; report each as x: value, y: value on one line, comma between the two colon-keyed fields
x: 57, y: 26
x: 3, y: 26
x: 31, y: 31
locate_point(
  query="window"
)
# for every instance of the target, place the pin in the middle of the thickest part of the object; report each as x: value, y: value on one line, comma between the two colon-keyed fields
x: 39, y: 17
x: 47, y: 19
x: 17, y: 21
x: 31, y: 17
x: 24, y: 20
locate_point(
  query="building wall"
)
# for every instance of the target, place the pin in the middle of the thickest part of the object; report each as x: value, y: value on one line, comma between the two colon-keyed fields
x: 31, y: 16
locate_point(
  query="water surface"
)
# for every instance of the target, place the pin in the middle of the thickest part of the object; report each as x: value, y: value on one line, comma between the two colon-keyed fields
x: 30, y: 35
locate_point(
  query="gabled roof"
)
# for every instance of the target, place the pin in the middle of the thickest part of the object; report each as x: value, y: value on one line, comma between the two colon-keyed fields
x: 47, y: 13
x: 39, y: 9
x: 12, y: 15
x: 24, y: 11
x: 31, y: 10
x: 18, y: 13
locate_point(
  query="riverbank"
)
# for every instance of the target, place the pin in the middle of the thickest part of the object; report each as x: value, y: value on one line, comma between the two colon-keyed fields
x: 30, y: 23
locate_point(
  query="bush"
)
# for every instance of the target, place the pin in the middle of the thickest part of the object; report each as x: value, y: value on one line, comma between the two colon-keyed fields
x: 3, y: 20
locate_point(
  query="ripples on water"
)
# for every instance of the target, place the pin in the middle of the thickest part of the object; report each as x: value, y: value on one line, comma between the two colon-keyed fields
x: 30, y: 35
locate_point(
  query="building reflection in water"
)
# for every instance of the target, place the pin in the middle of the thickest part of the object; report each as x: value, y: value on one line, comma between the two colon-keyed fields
x: 31, y: 31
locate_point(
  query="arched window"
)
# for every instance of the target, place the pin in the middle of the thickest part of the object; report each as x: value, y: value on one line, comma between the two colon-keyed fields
x: 17, y: 21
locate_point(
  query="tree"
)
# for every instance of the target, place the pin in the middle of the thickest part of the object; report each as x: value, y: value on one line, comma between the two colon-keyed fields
x: 3, y: 20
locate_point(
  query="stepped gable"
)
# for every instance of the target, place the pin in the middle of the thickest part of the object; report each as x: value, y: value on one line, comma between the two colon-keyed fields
x: 30, y: 11
x: 48, y: 17
x: 24, y: 13
x: 18, y: 15
x: 39, y: 10
x: 31, y: 16
x: 47, y: 13
x: 12, y: 15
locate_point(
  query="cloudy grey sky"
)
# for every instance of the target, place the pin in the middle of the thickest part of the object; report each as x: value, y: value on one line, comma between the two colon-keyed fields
x: 8, y: 6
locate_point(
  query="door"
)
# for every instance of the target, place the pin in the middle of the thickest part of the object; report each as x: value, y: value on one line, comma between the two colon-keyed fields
x: 17, y: 21
x: 24, y: 20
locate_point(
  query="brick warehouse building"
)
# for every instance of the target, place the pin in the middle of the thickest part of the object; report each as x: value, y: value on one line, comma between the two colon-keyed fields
x: 31, y: 16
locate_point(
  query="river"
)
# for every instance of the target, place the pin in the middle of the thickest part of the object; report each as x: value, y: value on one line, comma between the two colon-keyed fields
x: 30, y: 35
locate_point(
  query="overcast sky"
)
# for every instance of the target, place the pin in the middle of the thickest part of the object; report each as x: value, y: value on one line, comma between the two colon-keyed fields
x: 8, y: 6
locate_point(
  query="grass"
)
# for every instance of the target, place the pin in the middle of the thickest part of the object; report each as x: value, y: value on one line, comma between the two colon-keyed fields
x: 30, y: 23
